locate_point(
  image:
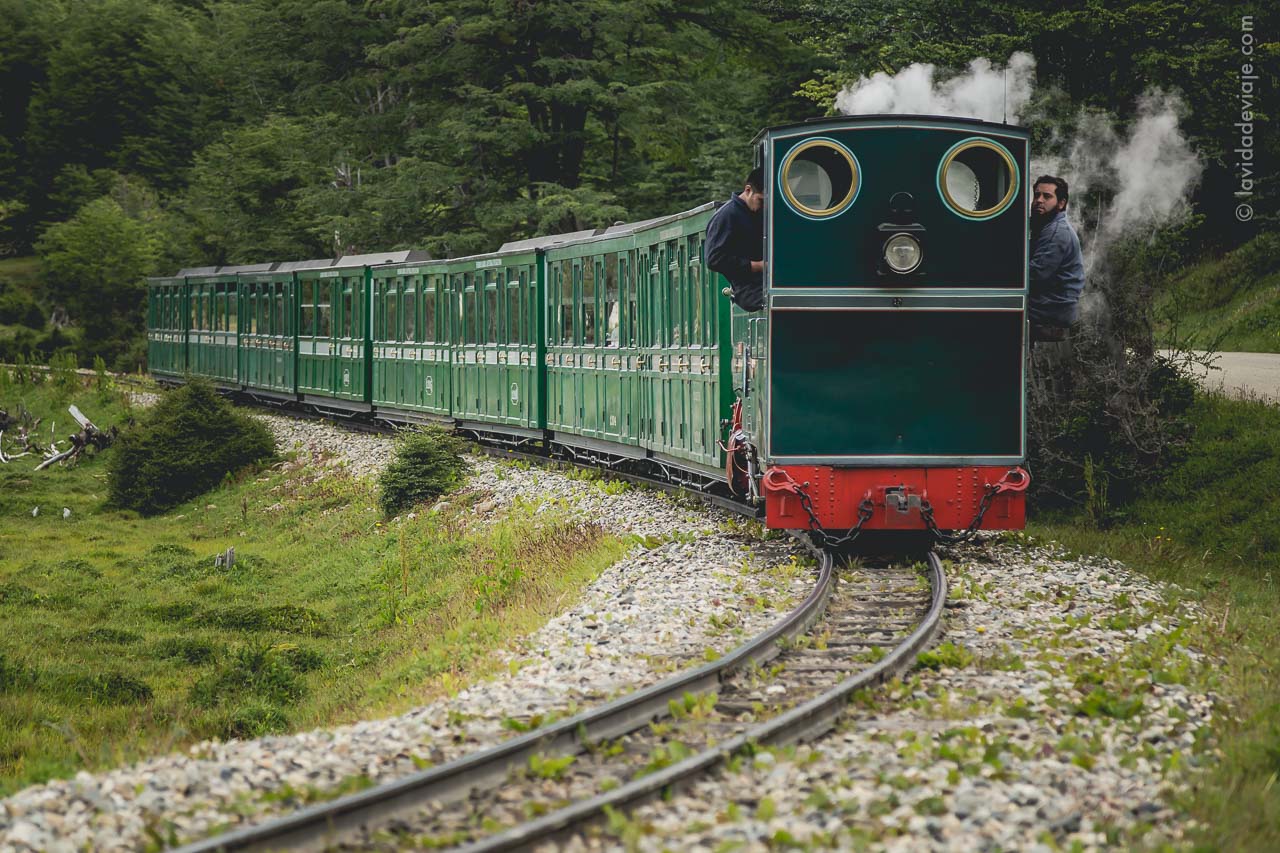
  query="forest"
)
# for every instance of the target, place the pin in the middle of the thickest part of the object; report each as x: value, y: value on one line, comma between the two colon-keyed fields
x: 140, y: 136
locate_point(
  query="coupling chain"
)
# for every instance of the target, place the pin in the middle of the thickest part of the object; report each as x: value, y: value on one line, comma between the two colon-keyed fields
x: 866, y: 510
x: 926, y: 513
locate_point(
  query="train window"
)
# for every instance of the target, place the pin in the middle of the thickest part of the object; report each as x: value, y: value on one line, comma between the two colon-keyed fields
x: 697, y: 334
x: 633, y: 311
x: 219, y: 310
x: 468, y: 317
x: 191, y: 314
x: 674, y: 298
x: 280, y: 326
x: 589, y: 302
x: 393, y: 316
x: 566, y: 302
x: 819, y: 178
x: 308, y: 305
x: 324, y: 309
x: 429, y: 313
x: 527, y: 321
x: 491, y: 315
x: 978, y: 179
x: 514, y: 325
x: 612, y: 305
x: 232, y: 313
x: 410, y: 311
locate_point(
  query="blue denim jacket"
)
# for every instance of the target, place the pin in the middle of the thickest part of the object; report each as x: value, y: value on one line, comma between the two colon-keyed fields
x: 1057, y: 273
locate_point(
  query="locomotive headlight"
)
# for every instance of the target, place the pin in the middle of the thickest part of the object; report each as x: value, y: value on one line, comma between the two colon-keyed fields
x: 902, y: 253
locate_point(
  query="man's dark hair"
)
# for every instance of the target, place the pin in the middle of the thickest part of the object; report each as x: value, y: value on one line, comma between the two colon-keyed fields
x: 756, y: 179
x: 1059, y: 186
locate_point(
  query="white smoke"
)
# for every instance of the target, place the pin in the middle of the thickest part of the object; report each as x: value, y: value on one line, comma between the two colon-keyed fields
x: 984, y: 92
x: 1145, y: 174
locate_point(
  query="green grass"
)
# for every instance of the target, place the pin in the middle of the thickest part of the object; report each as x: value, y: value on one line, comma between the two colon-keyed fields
x: 123, y: 640
x: 1213, y: 527
x: 1228, y: 304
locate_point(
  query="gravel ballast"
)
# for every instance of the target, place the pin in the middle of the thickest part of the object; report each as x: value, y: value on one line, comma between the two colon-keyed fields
x: 1052, y: 714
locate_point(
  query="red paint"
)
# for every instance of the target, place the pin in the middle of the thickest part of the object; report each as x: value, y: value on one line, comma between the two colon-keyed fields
x: 954, y: 493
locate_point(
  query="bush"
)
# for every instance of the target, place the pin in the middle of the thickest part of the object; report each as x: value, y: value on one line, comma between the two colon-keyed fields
x: 188, y: 443
x: 19, y: 308
x: 428, y: 463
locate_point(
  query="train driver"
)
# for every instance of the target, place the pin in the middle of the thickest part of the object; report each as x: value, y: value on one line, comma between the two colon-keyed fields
x: 1057, y: 269
x: 735, y: 243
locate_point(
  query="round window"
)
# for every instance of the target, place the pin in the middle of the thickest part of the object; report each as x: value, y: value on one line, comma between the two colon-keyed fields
x: 819, y: 178
x: 978, y: 179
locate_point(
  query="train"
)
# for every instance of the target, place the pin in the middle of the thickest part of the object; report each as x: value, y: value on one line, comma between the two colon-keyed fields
x: 882, y: 387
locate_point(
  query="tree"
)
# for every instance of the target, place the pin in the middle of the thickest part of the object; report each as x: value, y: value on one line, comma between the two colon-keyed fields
x: 95, y: 263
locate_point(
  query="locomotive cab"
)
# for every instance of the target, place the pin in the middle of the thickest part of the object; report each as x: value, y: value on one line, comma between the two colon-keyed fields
x: 885, y: 380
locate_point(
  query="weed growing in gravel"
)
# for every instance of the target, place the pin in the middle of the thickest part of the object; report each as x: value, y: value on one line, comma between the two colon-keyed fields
x: 544, y: 767
x: 946, y: 655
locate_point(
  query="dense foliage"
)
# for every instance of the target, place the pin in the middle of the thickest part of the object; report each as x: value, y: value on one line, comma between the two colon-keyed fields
x: 222, y: 131
x: 187, y: 444
x: 427, y: 463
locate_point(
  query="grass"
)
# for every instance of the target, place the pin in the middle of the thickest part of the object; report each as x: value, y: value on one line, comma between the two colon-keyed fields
x: 1229, y: 304
x: 1213, y: 527
x: 123, y: 639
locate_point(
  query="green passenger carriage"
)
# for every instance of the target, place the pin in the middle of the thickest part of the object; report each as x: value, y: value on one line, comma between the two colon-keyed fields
x: 167, y: 325
x: 268, y: 345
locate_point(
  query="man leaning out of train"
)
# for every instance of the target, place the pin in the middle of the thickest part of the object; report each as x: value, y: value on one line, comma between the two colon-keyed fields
x: 1057, y: 268
x: 735, y: 243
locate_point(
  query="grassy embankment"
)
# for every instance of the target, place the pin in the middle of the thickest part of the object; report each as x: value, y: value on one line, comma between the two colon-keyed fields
x: 1213, y: 527
x: 121, y: 639
x: 1227, y: 304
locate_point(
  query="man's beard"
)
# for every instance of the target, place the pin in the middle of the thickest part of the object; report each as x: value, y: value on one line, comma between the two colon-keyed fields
x: 1039, y: 219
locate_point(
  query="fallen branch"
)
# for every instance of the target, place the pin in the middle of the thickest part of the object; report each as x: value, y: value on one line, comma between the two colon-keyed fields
x: 88, y: 436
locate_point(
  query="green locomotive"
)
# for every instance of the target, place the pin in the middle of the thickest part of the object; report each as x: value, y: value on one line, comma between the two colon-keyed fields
x: 882, y: 387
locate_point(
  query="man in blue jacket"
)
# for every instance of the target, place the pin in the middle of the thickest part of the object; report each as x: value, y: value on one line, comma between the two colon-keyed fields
x: 1057, y: 268
x: 735, y: 243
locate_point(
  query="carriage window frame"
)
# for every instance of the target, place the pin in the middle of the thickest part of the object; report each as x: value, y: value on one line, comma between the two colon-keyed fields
x: 324, y: 307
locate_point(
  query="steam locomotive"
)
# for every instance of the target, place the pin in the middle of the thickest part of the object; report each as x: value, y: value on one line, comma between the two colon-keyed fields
x: 882, y: 387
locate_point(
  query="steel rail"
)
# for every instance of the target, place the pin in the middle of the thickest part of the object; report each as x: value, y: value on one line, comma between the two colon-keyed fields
x: 812, y: 718
x: 315, y: 825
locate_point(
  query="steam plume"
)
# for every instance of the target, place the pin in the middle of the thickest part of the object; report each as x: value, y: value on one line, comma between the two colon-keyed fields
x: 984, y: 92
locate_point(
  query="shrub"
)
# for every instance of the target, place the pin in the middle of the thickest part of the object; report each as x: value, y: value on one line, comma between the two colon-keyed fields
x: 17, y: 307
x: 428, y: 463
x: 188, y: 443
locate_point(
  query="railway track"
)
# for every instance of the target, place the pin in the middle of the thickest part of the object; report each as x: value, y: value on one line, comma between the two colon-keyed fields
x: 861, y: 624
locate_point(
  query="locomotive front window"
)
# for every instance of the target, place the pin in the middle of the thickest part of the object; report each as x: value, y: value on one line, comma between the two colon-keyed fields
x: 819, y: 178
x: 978, y: 179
